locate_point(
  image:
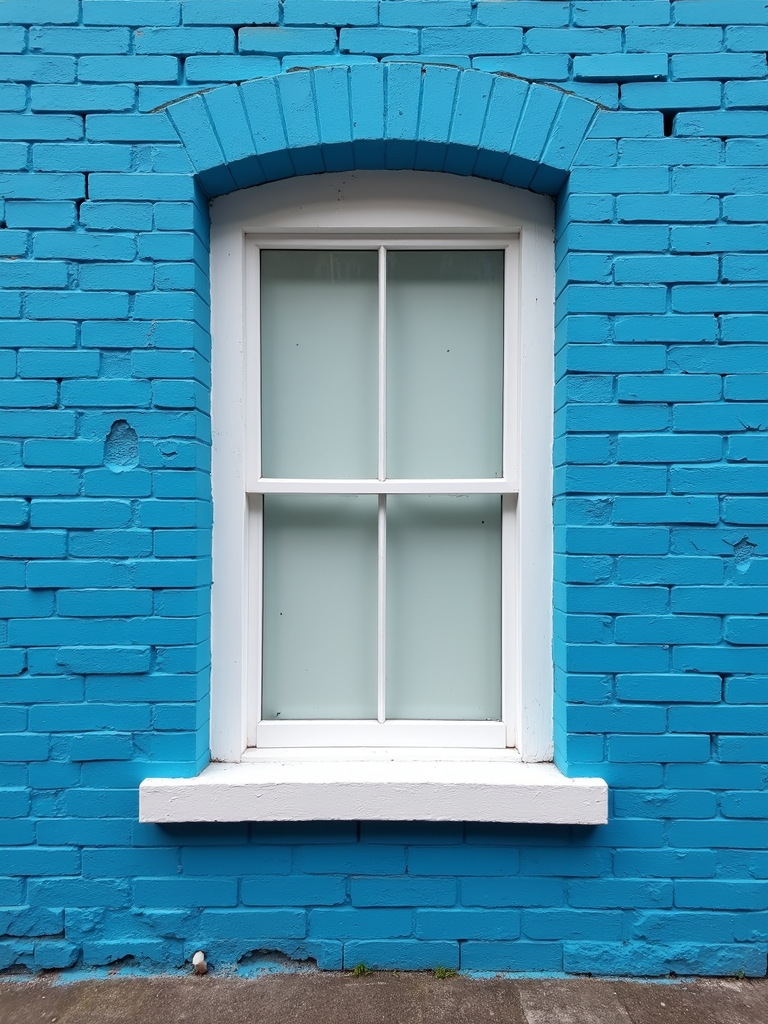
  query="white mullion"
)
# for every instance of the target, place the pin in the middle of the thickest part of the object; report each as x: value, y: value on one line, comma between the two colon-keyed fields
x: 381, y: 631
x: 381, y: 638
x: 382, y: 471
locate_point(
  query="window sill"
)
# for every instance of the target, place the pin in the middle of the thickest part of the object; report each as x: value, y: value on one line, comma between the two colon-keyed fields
x: 384, y: 785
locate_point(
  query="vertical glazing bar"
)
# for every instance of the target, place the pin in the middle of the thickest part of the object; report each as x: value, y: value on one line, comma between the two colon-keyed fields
x: 382, y: 598
x: 382, y: 362
x: 382, y: 595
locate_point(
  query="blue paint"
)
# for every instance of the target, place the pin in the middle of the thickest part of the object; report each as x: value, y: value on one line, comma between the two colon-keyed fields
x: 662, y: 314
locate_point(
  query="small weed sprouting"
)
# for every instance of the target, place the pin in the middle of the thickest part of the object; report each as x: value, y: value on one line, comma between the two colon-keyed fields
x: 360, y: 970
x: 445, y: 972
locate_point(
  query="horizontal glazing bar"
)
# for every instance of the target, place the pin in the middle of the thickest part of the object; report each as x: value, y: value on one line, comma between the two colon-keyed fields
x: 285, y: 486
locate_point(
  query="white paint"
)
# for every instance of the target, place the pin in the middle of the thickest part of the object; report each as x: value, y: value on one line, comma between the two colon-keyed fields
x: 381, y: 611
x: 361, y: 734
x: 410, y: 485
x: 361, y: 782
x: 417, y: 209
x: 377, y: 785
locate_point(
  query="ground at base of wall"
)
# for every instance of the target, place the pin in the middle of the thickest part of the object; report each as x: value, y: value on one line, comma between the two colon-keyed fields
x: 383, y: 998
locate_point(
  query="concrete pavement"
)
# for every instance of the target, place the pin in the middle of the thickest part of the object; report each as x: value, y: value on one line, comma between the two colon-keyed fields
x: 380, y: 998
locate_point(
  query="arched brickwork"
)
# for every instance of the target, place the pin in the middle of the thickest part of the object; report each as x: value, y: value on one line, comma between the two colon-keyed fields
x: 399, y: 116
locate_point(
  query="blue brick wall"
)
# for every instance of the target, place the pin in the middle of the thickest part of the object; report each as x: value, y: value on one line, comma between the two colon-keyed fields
x: 660, y: 474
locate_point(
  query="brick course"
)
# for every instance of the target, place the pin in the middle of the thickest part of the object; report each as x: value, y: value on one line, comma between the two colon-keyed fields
x: 644, y: 119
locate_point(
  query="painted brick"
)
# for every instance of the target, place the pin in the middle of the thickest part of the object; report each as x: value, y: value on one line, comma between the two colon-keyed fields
x: 284, y: 40
x: 571, y: 924
x: 527, y: 13
x: 673, y: 96
x: 414, y: 954
x: 227, y: 68
x: 405, y: 13
x: 226, y: 12
x: 475, y: 40
x: 543, y: 66
x: 620, y: 68
x: 254, y: 924
x: 130, y: 12
x: 25, y: 214
x: 82, y: 97
x: 79, y: 40
x: 128, y: 69
x: 745, y: 94
x: 668, y: 208
x: 293, y: 890
x: 467, y: 924
x: 522, y: 892
x: 661, y: 320
x: 715, y: 12
x: 162, y: 892
x: 516, y: 956
x: 55, y: 12
x: 184, y: 41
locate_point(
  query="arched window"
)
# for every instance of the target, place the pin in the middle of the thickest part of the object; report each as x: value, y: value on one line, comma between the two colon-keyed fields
x: 382, y: 431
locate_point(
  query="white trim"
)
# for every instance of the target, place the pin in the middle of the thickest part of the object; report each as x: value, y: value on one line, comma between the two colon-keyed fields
x: 314, y: 733
x: 412, y: 209
x: 377, y: 786
x: 228, y: 415
x: 510, y: 581
x: 277, y: 485
x: 381, y: 613
x: 382, y: 391
x: 252, y: 616
x: 534, y: 511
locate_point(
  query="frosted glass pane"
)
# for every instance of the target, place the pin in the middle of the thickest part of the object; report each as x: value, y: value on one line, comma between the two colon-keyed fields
x: 320, y: 589
x: 319, y: 363
x: 445, y: 339
x: 444, y: 607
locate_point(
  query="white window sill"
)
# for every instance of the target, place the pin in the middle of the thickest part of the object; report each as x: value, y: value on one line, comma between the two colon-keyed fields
x: 383, y: 785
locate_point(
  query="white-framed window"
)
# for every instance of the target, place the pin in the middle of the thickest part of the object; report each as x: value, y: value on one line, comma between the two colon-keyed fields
x: 382, y: 407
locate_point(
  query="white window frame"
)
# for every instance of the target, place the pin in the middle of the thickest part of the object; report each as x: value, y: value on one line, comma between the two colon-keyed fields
x: 464, y: 771
x: 391, y: 733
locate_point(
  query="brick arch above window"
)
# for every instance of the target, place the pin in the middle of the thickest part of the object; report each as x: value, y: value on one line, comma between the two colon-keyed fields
x: 385, y: 116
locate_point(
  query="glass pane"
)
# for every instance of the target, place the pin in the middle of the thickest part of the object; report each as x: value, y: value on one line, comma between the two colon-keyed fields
x: 444, y: 607
x: 319, y: 363
x: 445, y: 336
x: 320, y: 589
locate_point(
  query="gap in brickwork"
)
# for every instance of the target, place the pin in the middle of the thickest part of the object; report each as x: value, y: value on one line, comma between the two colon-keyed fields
x: 669, y: 121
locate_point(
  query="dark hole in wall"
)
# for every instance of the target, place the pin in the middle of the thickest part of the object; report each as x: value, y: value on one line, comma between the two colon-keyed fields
x: 669, y: 122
